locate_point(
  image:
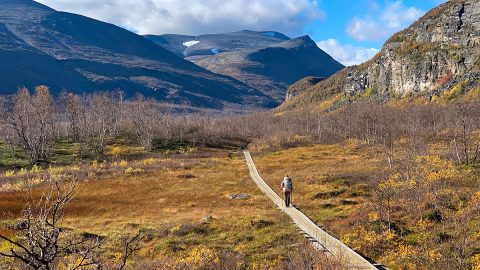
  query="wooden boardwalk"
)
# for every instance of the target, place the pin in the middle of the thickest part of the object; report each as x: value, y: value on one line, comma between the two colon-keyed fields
x: 318, y: 237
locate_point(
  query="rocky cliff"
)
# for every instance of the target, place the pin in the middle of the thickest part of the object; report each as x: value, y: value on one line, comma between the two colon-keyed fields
x: 439, y: 51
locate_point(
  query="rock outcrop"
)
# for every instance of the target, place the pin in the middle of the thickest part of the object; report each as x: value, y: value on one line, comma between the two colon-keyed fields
x: 442, y: 46
x: 296, y: 88
x: 437, y: 52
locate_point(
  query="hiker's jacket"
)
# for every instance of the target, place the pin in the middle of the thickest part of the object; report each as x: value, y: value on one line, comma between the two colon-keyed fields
x: 287, y: 184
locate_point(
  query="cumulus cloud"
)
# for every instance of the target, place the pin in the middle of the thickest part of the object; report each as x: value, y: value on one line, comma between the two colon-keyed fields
x: 197, y: 16
x: 346, y: 54
x: 391, y: 19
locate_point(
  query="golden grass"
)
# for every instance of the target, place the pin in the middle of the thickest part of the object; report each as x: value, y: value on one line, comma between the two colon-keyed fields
x: 167, y: 198
x: 329, y: 180
x: 329, y: 102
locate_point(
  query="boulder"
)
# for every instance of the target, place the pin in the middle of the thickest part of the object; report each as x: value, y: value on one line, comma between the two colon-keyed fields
x: 239, y: 196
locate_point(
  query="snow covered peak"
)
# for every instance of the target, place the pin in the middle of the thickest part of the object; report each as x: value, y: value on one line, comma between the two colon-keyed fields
x: 190, y: 43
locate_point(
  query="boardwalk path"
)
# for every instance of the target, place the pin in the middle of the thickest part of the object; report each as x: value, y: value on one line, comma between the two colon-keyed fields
x: 319, y: 238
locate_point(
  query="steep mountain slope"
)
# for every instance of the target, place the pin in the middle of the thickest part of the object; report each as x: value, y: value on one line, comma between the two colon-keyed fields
x: 267, y: 61
x: 39, y: 45
x: 439, y: 51
x: 198, y: 47
x: 273, y: 68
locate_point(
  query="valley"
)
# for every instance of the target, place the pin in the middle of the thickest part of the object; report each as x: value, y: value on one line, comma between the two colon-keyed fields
x: 127, y: 147
x: 178, y: 199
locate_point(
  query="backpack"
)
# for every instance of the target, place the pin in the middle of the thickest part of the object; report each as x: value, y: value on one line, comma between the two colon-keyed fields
x: 287, y: 184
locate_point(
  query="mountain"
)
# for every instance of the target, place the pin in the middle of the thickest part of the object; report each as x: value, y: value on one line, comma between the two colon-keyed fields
x: 274, y: 68
x: 438, y: 55
x: 39, y: 45
x: 198, y: 47
x: 267, y: 61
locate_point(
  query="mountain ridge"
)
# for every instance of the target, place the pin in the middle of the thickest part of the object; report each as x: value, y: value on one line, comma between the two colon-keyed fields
x: 265, y: 60
x: 211, y: 44
x: 90, y: 55
x: 274, y: 68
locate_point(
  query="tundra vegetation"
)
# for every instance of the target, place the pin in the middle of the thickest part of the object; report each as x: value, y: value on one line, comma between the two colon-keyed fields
x: 398, y: 182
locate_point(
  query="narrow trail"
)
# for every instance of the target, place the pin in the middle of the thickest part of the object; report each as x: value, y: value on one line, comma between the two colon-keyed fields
x: 318, y: 237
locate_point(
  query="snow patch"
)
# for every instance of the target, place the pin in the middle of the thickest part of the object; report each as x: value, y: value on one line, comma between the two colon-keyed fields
x: 190, y: 43
x: 269, y: 34
x: 215, y: 51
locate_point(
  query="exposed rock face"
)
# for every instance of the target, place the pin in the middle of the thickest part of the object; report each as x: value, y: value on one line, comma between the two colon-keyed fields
x: 437, y: 52
x: 442, y: 46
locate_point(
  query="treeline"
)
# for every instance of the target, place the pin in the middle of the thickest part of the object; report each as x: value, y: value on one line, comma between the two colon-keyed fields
x: 35, y: 121
x: 399, y: 129
x: 428, y: 187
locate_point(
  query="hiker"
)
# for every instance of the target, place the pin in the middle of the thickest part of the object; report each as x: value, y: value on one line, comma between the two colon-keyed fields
x: 287, y: 188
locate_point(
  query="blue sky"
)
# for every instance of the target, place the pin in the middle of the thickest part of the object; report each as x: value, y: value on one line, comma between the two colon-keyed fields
x: 362, y: 26
x: 352, y: 31
x: 339, y: 14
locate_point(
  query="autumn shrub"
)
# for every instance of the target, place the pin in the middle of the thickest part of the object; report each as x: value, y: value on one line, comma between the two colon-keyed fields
x: 189, y: 228
x: 261, y: 223
x: 373, y: 243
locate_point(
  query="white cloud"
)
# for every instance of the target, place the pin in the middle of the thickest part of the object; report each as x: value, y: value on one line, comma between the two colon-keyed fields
x: 366, y: 29
x: 397, y: 16
x: 391, y: 19
x: 197, y: 16
x: 345, y: 53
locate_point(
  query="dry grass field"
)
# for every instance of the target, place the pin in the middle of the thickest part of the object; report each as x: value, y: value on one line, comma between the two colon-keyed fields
x: 168, y: 196
x: 330, y: 181
x: 169, y: 202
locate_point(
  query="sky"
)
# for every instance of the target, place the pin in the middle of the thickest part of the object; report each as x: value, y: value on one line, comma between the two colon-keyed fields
x: 351, y: 31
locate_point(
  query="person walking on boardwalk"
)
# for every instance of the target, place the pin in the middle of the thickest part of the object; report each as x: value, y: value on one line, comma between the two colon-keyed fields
x: 287, y: 188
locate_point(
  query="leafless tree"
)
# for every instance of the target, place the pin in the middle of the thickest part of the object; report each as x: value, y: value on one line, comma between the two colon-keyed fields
x: 6, y: 131
x: 146, y: 119
x: 465, y: 118
x: 40, y: 240
x: 76, y: 116
x: 32, y: 120
x: 305, y: 256
x: 130, y: 246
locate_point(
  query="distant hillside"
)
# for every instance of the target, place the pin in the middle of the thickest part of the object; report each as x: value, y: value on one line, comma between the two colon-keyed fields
x: 266, y: 61
x: 173, y: 43
x: 39, y: 45
x: 198, y: 47
x: 274, y: 68
x: 438, y: 55
x: 297, y: 88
